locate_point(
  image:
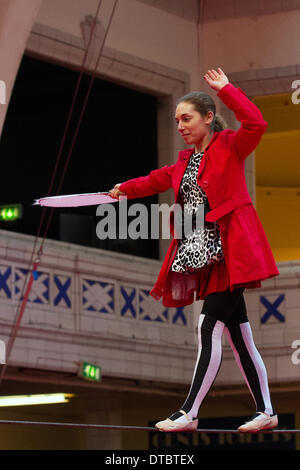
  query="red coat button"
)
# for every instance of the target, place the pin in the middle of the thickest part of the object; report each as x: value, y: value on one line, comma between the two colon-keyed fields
x: 204, y: 184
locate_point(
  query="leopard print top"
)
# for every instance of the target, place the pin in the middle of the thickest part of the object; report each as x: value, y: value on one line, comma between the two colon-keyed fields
x: 203, y: 245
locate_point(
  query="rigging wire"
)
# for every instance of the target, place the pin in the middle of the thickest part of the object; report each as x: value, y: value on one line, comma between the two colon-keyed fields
x: 33, y: 272
x: 80, y: 117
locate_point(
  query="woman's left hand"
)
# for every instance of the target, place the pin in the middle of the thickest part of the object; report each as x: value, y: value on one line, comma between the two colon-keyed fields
x: 216, y: 79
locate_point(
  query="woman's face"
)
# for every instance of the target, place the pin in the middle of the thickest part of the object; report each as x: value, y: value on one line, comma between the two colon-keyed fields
x: 191, y: 125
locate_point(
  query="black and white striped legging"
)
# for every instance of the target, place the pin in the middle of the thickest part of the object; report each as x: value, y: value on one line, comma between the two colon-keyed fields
x: 226, y: 312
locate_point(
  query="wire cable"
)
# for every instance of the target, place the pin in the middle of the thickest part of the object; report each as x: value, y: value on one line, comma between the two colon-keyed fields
x: 33, y: 272
x: 139, y: 428
x: 80, y: 117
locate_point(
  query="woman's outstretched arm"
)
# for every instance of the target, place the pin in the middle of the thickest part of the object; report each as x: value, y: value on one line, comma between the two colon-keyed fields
x: 157, y: 181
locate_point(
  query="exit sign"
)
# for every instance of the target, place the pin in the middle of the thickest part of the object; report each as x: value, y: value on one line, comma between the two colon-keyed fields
x: 10, y: 212
x: 90, y: 371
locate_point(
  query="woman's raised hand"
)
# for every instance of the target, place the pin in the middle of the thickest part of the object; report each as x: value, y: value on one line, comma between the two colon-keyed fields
x: 115, y: 192
x: 216, y: 79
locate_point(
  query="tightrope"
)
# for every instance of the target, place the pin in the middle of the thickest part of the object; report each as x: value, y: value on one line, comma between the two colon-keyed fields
x: 138, y: 428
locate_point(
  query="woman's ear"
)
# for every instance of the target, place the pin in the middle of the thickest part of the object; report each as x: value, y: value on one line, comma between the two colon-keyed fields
x: 209, y: 117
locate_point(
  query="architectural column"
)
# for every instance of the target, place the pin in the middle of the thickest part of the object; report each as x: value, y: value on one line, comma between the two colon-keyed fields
x: 16, y: 21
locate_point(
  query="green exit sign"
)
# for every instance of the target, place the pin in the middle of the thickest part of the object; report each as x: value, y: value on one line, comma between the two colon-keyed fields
x: 90, y: 371
x: 10, y: 212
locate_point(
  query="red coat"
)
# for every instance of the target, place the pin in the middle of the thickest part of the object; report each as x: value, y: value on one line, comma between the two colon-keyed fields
x: 247, y: 253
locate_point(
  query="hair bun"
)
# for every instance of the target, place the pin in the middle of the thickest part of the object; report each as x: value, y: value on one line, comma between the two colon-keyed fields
x: 219, y: 123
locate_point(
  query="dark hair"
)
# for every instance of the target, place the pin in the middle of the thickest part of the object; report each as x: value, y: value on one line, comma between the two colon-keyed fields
x: 204, y: 103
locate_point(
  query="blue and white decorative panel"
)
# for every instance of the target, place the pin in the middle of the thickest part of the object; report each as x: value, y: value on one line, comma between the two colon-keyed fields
x: 5, y: 282
x: 150, y: 309
x: 179, y: 317
x: 62, y: 288
x: 271, y: 310
x: 39, y: 292
x: 98, y: 296
x: 54, y: 289
x: 128, y: 300
x: 139, y: 304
